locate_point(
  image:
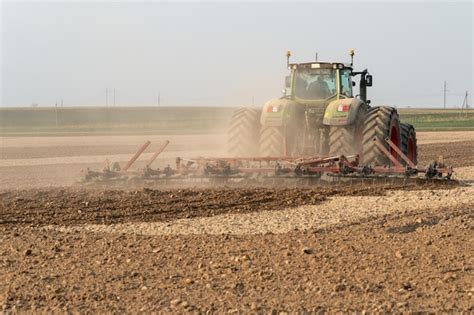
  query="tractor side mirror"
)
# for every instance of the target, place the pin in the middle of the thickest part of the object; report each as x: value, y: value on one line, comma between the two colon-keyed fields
x: 368, y: 80
x: 288, y: 81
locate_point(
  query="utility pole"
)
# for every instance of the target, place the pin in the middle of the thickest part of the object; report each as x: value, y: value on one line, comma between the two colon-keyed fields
x: 114, y: 97
x: 444, y: 90
x: 465, y: 102
x: 106, y: 97
x: 159, y: 99
x: 56, y: 110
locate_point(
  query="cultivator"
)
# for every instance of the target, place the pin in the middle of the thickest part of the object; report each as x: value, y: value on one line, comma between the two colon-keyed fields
x: 276, y: 170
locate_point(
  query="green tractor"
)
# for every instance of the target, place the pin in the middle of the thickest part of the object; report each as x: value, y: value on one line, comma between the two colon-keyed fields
x: 319, y: 115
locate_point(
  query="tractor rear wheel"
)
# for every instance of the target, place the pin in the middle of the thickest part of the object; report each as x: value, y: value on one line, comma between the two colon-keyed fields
x: 273, y: 141
x: 281, y: 141
x: 243, y: 133
x: 408, y: 142
x: 381, y: 122
x: 347, y: 140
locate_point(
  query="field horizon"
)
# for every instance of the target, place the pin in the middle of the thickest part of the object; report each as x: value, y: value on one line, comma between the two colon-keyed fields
x: 24, y: 121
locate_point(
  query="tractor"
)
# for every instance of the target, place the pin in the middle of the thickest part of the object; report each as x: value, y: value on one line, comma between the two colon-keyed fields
x: 318, y: 131
x: 320, y: 115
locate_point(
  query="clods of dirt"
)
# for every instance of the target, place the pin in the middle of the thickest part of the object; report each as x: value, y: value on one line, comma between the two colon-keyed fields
x: 78, y: 206
x: 362, y: 267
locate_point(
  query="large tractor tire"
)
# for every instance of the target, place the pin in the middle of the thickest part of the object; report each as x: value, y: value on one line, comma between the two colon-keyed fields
x: 243, y: 133
x: 408, y: 142
x: 381, y: 123
x: 281, y: 141
x: 273, y: 141
x: 347, y: 140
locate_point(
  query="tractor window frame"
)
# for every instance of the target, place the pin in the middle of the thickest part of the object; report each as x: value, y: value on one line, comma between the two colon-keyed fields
x: 342, y: 88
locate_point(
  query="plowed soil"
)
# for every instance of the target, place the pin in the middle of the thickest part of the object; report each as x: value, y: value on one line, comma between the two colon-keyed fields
x: 72, y: 206
x: 456, y: 154
x: 382, y: 248
x: 402, y: 262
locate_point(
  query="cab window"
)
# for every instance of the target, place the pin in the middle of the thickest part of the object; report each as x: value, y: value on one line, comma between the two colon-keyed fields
x: 346, y: 83
x: 315, y: 84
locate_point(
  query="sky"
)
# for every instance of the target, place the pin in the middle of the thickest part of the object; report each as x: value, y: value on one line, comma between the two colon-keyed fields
x: 228, y: 53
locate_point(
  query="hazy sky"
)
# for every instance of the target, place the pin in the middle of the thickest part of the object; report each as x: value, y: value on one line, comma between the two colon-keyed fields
x: 228, y: 53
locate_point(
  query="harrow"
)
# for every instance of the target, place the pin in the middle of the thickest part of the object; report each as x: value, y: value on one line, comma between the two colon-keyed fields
x: 276, y: 170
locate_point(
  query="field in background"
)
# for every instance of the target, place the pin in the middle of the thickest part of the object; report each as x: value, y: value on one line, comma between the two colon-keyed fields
x: 438, y: 119
x: 113, y: 120
x: 184, y: 120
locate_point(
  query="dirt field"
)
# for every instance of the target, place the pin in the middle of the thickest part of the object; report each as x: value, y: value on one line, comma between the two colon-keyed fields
x: 261, y: 250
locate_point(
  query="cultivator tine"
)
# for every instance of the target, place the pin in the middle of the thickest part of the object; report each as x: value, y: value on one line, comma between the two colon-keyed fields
x: 136, y: 155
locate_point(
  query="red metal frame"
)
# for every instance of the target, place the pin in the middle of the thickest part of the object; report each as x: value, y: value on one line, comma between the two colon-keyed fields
x: 136, y: 155
x: 400, y: 153
x: 158, y: 152
x: 315, y: 166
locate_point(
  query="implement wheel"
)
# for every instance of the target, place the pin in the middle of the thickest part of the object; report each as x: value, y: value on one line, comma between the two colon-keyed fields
x: 381, y: 122
x: 408, y: 142
x: 243, y: 133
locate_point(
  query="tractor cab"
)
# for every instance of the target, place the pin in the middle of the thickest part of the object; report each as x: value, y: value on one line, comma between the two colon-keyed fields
x: 324, y: 81
x: 320, y: 81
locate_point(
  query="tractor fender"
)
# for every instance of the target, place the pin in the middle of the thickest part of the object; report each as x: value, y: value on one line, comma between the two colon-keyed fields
x: 276, y: 112
x: 342, y: 112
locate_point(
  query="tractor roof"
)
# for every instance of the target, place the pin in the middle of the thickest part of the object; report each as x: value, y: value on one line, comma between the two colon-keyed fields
x: 320, y: 65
